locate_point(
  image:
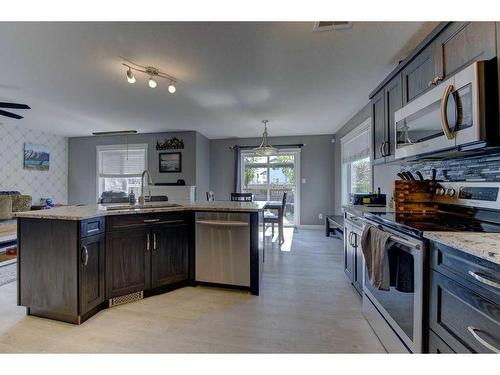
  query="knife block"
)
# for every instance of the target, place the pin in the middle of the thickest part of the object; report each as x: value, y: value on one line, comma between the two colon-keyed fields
x: 415, y: 197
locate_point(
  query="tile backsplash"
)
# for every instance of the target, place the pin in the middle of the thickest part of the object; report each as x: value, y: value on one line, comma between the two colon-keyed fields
x: 39, y: 184
x: 484, y: 168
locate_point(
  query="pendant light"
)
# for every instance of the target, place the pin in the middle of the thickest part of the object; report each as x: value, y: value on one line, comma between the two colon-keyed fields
x: 265, y: 149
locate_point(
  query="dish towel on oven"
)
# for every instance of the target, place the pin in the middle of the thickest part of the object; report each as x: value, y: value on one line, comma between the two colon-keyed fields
x: 374, y: 246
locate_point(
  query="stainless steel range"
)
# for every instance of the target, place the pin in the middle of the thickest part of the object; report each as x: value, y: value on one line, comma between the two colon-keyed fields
x: 399, y: 315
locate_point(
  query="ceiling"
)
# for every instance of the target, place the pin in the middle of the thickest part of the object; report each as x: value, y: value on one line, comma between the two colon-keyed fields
x: 232, y: 75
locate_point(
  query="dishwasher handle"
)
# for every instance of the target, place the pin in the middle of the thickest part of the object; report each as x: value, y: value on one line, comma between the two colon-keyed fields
x: 223, y: 223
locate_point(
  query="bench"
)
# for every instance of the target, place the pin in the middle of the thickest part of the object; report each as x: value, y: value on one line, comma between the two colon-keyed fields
x: 334, y: 224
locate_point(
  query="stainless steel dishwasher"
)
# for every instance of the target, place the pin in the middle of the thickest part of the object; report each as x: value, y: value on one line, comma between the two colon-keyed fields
x: 223, y: 248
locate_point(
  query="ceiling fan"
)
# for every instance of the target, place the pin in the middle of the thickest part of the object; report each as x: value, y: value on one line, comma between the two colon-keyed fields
x: 13, y: 106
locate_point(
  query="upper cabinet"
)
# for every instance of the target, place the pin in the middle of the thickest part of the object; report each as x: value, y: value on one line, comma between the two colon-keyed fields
x: 419, y: 74
x: 384, y: 105
x: 449, y: 48
x: 462, y: 43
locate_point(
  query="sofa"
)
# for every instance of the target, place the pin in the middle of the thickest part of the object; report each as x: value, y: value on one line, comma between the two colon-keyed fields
x: 13, y: 201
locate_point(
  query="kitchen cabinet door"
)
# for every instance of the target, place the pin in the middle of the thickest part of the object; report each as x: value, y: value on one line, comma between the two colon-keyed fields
x: 170, y: 255
x: 418, y: 75
x: 92, y: 276
x: 393, y: 102
x: 128, y: 261
x: 349, y: 252
x: 462, y: 43
x: 379, y: 125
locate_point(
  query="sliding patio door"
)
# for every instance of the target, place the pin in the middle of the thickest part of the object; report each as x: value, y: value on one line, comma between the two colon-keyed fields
x: 268, y: 177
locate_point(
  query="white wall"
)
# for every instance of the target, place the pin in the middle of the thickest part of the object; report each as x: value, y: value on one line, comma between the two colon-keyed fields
x: 39, y: 184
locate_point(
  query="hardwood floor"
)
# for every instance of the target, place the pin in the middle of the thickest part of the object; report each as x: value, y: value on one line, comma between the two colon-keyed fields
x: 305, y: 306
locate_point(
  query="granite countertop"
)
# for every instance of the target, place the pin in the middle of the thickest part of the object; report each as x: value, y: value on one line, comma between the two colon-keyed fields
x: 360, y: 210
x: 97, y: 210
x: 482, y: 245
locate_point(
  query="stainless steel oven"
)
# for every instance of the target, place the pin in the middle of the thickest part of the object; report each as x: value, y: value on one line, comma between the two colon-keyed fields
x: 450, y: 116
x: 397, y: 314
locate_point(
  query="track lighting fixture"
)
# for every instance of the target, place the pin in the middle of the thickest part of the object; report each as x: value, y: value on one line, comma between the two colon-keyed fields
x: 152, y: 72
x: 130, y: 76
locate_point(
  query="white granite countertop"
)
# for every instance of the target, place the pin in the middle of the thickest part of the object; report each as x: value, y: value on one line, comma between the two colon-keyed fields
x: 96, y: 210
x: 482, y: 245
x: 360, y: 210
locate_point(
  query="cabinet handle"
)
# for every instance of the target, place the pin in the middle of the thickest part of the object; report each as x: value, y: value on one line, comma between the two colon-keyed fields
x: 355, y: 240
x: 147, y: 242
x: 386, y: 149
x: 154, y: 241
x: 85, y: 255
x: 444, y: 117
x: 380, y: 149
x: 484, y: 280
x: 151, y: 220
x: 482, y: 341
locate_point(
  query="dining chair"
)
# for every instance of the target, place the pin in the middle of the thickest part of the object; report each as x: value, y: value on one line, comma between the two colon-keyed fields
x: 241, y: 197
x: 277, y: 218
x: 210, y: 196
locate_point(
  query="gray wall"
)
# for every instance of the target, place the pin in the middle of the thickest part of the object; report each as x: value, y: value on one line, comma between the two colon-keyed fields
x: 356, y: 120
x: 316, y: 160
x: 202, y: 166
x: 82, y: 162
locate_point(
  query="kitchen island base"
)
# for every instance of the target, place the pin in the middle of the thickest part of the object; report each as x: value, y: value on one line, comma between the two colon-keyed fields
x: 68, y: 270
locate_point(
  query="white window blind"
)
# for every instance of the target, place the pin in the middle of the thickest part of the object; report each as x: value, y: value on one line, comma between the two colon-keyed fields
x: 357, y: 146
x: 121, y: 161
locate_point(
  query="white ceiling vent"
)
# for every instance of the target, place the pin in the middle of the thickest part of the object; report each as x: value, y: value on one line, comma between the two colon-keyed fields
x: 331, y: 26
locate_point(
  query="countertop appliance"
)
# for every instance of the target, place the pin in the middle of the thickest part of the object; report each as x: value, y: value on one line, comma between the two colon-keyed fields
x: 459, y: 115
x: 368, y: 199
x: 223, y: 248
x: 399, y: 318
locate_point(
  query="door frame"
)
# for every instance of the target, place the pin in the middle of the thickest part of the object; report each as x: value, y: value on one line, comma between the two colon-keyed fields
x: 296, y: 151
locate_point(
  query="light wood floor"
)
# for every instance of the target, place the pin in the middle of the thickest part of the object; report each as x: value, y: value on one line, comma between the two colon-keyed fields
x: 306, y: 305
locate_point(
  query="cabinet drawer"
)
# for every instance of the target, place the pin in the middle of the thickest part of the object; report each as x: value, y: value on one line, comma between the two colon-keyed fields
x: 91, y: 227
x: 436, y: 345
x: 120, y: 222
x: 476, y: 273
x: 467, y: 322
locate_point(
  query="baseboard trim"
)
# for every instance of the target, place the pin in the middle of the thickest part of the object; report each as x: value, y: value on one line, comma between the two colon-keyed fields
x: 315, y: 227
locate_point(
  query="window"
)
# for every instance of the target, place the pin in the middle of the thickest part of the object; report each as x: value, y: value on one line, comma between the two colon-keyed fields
x: 356, y: 161
x: 119, y: 167
x: 268, y: 177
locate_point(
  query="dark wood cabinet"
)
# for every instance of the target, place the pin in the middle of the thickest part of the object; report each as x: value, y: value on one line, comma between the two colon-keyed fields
x: 91, y: 276
x: 438, y: 346
x: 464, y: 311
x: 384, y: 105
x: 418, y: 75
x: 348, y: 252
x: 393, y: 101
x: 128, y: 261
x: 378, y: 126
x: 353, y: 256
x: 170, y: 256
x: 462, y: 43
x: 145, y: 252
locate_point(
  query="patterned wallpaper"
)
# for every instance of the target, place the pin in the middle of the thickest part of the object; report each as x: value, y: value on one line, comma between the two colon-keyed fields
x: 484, y: 168
x: 39, y: 184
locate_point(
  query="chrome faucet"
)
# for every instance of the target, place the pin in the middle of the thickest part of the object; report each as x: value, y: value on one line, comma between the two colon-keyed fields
x: 142, y: 198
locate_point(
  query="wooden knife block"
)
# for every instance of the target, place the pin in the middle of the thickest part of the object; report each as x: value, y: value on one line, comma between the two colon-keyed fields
x: 415, y: 197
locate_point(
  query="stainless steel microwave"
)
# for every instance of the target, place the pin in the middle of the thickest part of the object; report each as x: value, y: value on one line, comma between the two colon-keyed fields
x: 458, y: 115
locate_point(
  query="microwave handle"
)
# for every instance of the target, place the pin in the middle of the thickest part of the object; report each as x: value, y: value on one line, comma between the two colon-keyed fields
x: 444, y: 117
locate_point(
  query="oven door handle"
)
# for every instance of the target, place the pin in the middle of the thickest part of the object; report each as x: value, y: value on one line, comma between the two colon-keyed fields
x: 444, y: 117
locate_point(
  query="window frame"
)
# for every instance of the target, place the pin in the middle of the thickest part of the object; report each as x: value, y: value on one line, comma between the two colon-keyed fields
x: 345, y: 189
x: 118, y: 147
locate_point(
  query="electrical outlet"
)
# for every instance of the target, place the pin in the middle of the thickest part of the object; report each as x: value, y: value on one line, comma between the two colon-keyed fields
x: 320, y: 216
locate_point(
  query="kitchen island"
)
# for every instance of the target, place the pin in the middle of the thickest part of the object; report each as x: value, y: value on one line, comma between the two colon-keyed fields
x: 76, y: 260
